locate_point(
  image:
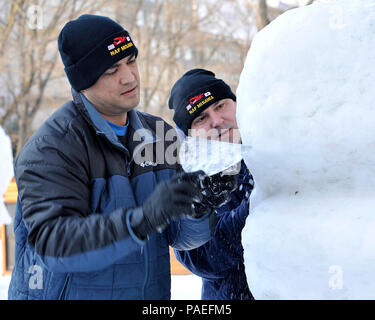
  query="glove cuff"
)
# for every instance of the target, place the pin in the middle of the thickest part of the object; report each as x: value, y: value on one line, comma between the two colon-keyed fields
x: 140, y: 224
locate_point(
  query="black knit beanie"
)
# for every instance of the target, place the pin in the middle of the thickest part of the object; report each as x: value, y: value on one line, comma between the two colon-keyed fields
x: 90, y: 45
x: 194, y: 92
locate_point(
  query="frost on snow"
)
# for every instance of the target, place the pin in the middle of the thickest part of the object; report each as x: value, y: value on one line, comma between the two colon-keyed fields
x: 305, y: 104
x: 6, y: 173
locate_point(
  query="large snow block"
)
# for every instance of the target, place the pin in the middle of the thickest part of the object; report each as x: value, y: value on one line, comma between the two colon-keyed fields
x: 306, y: 107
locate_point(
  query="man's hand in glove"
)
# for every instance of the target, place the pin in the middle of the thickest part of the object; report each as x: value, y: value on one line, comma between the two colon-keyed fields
x: 170, y: 199
x: 216, y: 189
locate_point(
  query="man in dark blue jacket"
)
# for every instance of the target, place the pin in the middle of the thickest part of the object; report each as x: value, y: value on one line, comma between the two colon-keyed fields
x: 98, y: 206
x: 206, y: 106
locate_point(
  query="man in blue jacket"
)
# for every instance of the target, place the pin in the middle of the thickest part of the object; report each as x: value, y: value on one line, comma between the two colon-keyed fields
x: 205, y: 105
x: 97, y: 207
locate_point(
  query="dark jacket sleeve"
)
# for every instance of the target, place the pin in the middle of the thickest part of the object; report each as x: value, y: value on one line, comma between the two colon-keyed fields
x: 222, y: 252
x: 54, y: 191
x: 188, y: 233
x: 232, y: 216
x: 215, y: 258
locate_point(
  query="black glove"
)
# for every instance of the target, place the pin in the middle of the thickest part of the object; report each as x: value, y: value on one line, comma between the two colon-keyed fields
x: 216, y: 189
x: 201, y: 209
x: 216, y: 192
x: 170, y: 199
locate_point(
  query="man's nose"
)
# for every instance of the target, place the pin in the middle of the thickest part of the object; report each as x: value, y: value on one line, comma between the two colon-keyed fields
x: 216, y: 120
x: 126, y: 75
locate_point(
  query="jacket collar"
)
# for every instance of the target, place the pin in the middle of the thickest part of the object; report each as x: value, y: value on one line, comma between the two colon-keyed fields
x: 102, y: 127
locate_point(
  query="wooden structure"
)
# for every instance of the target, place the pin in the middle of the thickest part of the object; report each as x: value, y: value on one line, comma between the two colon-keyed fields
x: 176, y: 267
x: 7, y: 237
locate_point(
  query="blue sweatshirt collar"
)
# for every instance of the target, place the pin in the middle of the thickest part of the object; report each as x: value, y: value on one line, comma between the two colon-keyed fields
x: 104, y: 126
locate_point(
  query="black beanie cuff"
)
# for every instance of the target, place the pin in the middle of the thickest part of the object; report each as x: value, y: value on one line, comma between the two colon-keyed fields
x: 88, y: 69
x: 186, y: 112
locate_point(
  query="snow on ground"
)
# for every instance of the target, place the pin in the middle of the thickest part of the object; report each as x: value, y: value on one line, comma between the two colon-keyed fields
x: 4, y: 280
x: 186, y: 287
x: 4, y: 283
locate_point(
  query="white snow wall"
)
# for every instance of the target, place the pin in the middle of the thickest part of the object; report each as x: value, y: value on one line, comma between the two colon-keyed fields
x: 306, y: 105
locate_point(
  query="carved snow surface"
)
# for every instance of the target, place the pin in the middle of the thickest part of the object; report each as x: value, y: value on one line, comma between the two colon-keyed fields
x: 305, y: 105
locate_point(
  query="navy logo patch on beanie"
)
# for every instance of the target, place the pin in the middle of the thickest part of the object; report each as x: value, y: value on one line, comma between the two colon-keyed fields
x: 198, y: 101
x: 118, y: 40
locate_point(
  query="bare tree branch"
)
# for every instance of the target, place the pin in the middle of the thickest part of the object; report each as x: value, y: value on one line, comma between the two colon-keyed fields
x: 27, y: 69
x: 263, y: 19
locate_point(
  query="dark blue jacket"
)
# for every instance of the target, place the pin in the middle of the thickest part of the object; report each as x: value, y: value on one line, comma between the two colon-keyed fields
x: 220, y: 261
x: 77, y: 188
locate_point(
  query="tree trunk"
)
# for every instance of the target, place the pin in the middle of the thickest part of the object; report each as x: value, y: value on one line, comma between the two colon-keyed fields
x: 262, y: 16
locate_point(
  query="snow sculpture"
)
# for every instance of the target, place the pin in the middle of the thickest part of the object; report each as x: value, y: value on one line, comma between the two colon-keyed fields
x: 6, y: 173
x: 305, y: 104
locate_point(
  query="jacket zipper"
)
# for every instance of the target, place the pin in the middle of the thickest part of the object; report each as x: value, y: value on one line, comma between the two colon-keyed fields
x: 62, y: 295
x: 128, y: 167
x: 145, y: 250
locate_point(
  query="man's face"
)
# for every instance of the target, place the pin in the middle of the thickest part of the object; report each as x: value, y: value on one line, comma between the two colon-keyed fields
x: 217, y: 122
x: 116, y: 91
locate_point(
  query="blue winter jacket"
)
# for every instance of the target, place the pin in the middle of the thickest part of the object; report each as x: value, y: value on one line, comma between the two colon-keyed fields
x: 77, y: 188
x: 220, y: 261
